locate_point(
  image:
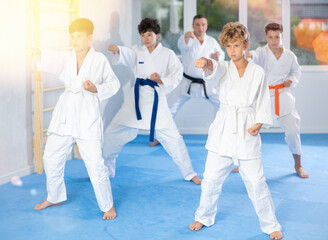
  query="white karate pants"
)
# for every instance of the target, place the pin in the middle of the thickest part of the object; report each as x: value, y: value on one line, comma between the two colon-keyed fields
x: 291, y: 126
x: 216, y: 170
x: 54, y: 158
x: 116, y: 136
x: 179, y: 95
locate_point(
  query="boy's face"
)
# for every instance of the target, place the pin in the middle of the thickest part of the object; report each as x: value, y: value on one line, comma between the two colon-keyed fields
x: 80, y: 40
x: 236, y: 49
x: 274, y: 39
x: 149, y: 38
x: 200, y: 26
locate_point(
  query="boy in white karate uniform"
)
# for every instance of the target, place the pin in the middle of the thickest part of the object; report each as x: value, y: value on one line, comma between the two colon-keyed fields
x: 233, y: 136
x: 88, y: 79
x: 157, y: 70
x: 194, y: 45
x: 283, y: 74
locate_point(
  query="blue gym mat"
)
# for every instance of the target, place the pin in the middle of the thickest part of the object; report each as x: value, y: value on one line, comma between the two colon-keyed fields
x: 154, y: 202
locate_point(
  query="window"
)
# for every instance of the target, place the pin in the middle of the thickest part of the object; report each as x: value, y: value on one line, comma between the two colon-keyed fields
x: 170, y: 17
x: 309, y: 35
x: 218, y: 13
x: 260, y: 13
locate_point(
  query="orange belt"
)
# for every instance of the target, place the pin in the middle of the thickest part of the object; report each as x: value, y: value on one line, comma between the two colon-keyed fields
x: 276, y: 96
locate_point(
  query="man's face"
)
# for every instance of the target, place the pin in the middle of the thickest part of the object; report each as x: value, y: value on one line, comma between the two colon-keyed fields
x: 274, y: 39
x: 200, y: 26
x: 80, y: 40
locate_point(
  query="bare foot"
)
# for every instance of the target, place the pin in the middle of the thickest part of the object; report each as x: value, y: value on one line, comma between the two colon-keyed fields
x: 154, y: 143
x: 301, y: 172
x: 196, y: 180
x: 236, y: 169
x: 111, y: 214
x: 44, y: 205
x: 196, y: 226
x: 276, y: 235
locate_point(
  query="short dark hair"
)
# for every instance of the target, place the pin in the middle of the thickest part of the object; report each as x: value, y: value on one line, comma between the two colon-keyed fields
x: 273, y: 27
x: 149, y: 24
x: 198, y: 16
x: 81, y: 25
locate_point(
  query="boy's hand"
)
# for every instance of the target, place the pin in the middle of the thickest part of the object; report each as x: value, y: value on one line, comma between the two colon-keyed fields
x: 204, y: 63
x: 113, y: 48
x: 215, y: 56
x: 287, y: 83
x: 248, y: 54
x: 254, y: 130
x: 156, y: 78
x: 89, y: 86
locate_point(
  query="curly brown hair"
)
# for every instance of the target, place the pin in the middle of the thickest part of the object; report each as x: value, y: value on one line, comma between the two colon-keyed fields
x: 232, y: 32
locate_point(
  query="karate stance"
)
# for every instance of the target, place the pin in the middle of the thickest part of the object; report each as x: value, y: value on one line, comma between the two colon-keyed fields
x: 233, y: 136
x: 157, y: 70
x: 88, y: 80
x: 283, y: 74
x: 194, y: 45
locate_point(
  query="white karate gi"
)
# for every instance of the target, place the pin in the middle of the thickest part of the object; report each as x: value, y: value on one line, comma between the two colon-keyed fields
x: 77, y: 118
x: 125, y: 126
x: 190, y: 52
x: 278, y: 71
x: 244, y: 102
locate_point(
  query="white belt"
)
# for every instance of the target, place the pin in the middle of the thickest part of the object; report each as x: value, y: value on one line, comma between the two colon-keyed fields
x: 64, y: 107
x: 233, y: 112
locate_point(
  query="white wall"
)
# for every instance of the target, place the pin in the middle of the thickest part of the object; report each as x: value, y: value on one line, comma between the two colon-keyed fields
x: 115, y: 22
x: 312, y: 99
x: 15, y: 93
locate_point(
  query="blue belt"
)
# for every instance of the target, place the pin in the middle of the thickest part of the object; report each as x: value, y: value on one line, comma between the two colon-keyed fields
x: 152, y: 84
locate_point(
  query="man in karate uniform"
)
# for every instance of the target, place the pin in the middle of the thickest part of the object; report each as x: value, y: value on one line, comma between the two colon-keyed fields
x: 233, y: 136
x: 157, y: 70
x: 88, y: 80
x: 194, y: 45
x: 283, y: 74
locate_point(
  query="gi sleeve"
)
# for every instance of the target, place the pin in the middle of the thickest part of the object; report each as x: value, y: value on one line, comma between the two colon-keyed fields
x: 295, y: 72
x: 218, y: 72
x: 126, y: 57
x: 258, y: 56
x: 174, y: 73
x: 263, y: 102
x: 52, y: 61
x: 110, y: 84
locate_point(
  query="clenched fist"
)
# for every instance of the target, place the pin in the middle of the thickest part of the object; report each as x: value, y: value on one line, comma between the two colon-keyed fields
x: 156, y: 78
x: 248, y: 54
x: 254, y: 130
x: 89, y: 86
x: 287, y: 83
x: 204, y: 63
x: 188, y: 35
x: 215, y: 56
x: 113, y: 48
